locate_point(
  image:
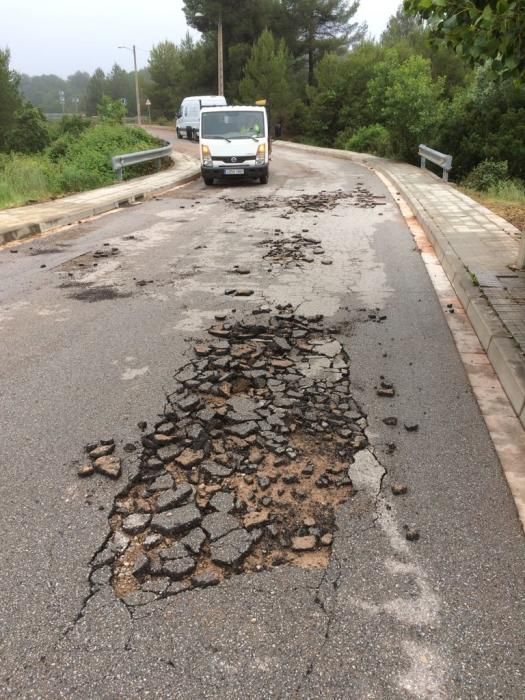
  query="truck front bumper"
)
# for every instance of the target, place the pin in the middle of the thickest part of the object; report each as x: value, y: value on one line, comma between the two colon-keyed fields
x: 230, y: 172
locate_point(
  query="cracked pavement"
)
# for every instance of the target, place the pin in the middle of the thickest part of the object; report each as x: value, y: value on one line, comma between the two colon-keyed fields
x: 442, y: 617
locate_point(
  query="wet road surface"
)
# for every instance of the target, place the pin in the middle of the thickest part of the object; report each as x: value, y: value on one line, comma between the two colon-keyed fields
x: 95, y: 322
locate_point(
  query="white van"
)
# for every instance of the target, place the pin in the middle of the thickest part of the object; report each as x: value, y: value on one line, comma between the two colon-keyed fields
x: 188, y: 116
x: 234, y: 144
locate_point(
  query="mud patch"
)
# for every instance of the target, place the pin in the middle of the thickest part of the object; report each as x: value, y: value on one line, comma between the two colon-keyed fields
x: 91, y: 294
x: 248, y: 465
x: 46, y: 251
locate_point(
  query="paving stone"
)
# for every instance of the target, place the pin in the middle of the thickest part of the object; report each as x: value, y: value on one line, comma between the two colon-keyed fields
x: 172, y: 498
x: 168, y: 453
x: 161, y: 483
x: 215, y: 470
x: 330, y: 349
x: 141, y: 565
x: 232, y: 548
x: 173, y: 521
x: 243, y: 430
x: 194, y: 540
x: 109, y: 466
x: 188, y: 458
x: 223, y: 501
x: 119, y: 542
x: 152, y: 541
x: 189, y: 403
x: 86, y: 470
x: 207, y: 578
x: 135, y: 523
x: 178, y: 568
x: 102, y: 451
x: 219, y: 524
x: 175, y: 551
x: 303, y: 544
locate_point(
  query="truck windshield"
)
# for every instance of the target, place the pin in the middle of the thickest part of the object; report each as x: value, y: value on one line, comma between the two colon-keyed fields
x: 232, y: 125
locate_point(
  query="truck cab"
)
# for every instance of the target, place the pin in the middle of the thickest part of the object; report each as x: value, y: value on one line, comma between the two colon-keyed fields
x: 234, y: 144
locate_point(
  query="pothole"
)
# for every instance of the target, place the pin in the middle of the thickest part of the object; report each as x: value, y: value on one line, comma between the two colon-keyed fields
x: 247, y: 466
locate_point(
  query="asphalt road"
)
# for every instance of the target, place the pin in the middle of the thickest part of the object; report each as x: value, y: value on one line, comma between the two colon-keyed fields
x: 442, y: 617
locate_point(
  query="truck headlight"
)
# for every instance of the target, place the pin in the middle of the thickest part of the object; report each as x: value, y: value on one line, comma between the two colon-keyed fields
x: 261, y: 154
x: 206, y: 156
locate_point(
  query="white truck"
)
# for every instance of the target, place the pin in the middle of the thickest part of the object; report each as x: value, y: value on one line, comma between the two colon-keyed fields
x: 188, y: 116
x: 234, y: 144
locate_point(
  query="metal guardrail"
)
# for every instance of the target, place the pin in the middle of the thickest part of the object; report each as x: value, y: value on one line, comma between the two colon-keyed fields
x: 119, y: 162
x: 441, y: 159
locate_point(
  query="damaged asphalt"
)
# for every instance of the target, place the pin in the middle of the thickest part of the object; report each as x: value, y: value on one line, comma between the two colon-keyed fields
x: 440, y: 617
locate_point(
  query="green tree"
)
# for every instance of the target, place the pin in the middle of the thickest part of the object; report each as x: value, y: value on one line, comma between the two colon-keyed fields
x: 267, y: 75
x: 485, y: 121
x: 112, y: 111
x: 485, y: 32
x: 29, y: 133
x: 96, y: 89
x: 408, y: 35
x: 10, y: 99
x: 179, y: 71
x: 322, y: 26
x: 338, y: 100
x: 407, y: 101
x: 242, y: 20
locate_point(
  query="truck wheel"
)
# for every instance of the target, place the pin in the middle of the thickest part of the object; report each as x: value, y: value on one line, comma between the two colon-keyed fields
x: 263, y: 179
x: 179, y: 135
x: 196, y: 136
x: 189, y: 131
x: 208, y: 180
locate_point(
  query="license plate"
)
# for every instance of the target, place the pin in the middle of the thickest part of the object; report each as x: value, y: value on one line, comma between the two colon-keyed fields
x: 234, y: 171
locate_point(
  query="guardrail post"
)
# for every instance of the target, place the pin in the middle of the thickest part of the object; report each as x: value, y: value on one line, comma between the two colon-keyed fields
x: 423, y: 162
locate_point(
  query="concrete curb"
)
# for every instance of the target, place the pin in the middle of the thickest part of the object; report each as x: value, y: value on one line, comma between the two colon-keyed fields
x: 38, y: 218
x: 502, y: 350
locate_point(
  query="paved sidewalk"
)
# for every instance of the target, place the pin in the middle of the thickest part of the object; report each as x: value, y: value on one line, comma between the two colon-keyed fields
x: 478, y: 251
x: 21, y: 222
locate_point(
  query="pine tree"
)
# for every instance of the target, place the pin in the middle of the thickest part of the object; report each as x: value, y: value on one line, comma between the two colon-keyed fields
x: 267, y: 75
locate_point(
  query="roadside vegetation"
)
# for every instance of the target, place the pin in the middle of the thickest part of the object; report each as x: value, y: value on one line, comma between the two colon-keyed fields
x: 439, y: 75
x: 40, y: 160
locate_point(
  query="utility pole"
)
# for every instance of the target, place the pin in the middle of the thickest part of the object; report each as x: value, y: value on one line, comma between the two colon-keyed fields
x: 137, y: 94
x: 220, y: 58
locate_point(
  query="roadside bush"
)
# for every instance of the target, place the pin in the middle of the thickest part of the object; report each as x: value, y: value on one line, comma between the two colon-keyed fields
x: 508, y: 191
x: 86, y: 162
x: 112, y: 111
x: 373, y: 139
x: 73, y: 124
x: 60, y: 146
x: 73, y: 163
x: 487, y: 174
x: 29, y: 133
x: 26, y: 178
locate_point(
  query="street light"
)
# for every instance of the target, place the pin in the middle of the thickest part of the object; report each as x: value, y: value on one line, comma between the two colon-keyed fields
x: 220, y: 59
x: 137, y: 94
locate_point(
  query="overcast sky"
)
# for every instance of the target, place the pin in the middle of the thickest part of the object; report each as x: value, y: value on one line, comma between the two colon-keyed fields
x: 61, y: 37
